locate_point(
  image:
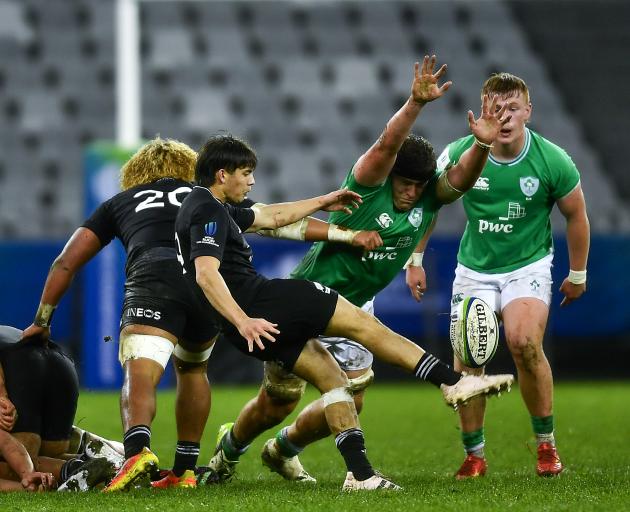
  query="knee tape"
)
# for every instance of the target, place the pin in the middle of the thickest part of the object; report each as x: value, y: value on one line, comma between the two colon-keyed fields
x: 189, y: 356
x: 135, y: 346
x: 281, y: 384
x: 337, y: 395
x: 361, y: 382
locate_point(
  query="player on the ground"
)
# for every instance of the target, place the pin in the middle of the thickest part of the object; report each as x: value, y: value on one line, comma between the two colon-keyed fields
x: 277, y: 320
x: 42, y: 421
x: 505, y: 258
x: 402, y: 194
x: 18, y: 459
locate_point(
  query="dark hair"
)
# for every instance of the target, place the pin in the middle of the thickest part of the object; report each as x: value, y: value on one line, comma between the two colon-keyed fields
x: 415, y: 159
x: 222, y: 151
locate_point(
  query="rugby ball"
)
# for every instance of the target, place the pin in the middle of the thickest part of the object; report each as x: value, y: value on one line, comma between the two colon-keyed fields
x: 474, y: 332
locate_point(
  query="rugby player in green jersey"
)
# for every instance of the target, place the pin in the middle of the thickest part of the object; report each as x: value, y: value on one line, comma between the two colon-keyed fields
x: 505, y: 258
x: 402, y: 194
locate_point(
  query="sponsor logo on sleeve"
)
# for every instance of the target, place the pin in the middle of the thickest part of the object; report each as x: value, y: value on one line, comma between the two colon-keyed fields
x: 211, y: 228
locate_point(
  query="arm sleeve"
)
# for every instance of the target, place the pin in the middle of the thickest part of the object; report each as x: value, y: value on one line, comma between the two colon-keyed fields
x: 244, y: 217
x: 565, y: 176
x: 209, y: 231
x: 101, y: 222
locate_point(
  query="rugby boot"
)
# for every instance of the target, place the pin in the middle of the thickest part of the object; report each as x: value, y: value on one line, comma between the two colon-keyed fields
x: 548, y: 463
x: 137, y: 467
x: 373, y: 483
x: 289, y: 468
x: 90, y: 475
x: 187, y: 481
x: 472, y: 467
x: 470, y: 386
x: 96, y: 449
x: 222, y: 467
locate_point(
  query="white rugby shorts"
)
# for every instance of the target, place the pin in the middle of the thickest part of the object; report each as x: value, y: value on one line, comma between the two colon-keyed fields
x: 498, y: 290
x: 349, y: 354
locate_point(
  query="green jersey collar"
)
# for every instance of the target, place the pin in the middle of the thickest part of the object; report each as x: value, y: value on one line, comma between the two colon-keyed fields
x: 520, y: 156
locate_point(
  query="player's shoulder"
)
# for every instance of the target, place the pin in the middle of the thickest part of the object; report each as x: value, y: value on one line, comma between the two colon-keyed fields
x: 550, y: 151
x: 452, y: 152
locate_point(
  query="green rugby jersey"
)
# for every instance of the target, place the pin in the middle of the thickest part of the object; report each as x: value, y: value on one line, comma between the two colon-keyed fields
x: 509, y: 207
x: 359, y: 275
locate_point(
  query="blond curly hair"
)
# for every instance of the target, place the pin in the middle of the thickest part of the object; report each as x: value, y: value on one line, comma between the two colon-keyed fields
x: 159, y: 158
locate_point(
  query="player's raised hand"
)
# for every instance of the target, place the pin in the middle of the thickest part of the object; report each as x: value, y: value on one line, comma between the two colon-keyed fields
x: 340, y: 200
x: 416, y: 280
x: 253, y: 329
x: 487, y: 126
x: 367, y: 240
x: 425, y: 87
x: 8, y: 414
x: 571, y: 291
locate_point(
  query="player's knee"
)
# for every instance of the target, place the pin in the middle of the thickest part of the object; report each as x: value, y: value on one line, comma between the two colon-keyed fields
x: 282, y: 386
x: 337, y: 395
x: 525, y: 349
x: 144, y: 346
x: 189, y: 361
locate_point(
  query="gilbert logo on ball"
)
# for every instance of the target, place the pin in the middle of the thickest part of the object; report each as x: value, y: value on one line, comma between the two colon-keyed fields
x: 474, y: 332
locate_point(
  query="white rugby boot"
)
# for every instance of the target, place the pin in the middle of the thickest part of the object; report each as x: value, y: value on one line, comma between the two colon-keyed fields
x: 470, y: 386
x: 373, y: 483
x: 289, y: 468
x: 223, y: 468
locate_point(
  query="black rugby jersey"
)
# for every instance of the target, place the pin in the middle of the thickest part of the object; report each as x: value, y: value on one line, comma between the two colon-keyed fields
x: 141, y: 217
x: 207, y: 227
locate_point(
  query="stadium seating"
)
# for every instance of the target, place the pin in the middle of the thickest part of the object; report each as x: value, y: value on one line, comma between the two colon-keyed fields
x: 310, y: 84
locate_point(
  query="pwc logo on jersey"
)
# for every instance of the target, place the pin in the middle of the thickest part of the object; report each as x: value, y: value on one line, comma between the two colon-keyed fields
x: 514, y: 211
x: 379, y: 256
x: 144, y: 313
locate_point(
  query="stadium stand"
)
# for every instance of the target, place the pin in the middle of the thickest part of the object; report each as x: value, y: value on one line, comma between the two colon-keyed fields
x: 310, y: 84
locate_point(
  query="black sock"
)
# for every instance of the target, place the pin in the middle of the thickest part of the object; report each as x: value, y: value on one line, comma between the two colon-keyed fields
x: 431, y: 369
x: 186, y: 455
x: 69, y: 468
x: 135, y: 439
x: 352, y: 447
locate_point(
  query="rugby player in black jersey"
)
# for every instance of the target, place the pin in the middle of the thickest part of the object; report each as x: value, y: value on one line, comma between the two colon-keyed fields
x: 160, y: 315
x: 276, y: 320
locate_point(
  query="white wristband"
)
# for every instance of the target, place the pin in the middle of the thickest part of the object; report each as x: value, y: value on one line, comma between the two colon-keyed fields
x: 341, y: 234
x: 295, y: 231
x: 577, y: 276
x: 415, y: 260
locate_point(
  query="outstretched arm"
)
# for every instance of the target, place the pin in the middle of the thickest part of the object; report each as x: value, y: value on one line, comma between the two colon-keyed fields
x: 375, y: 165
x: 311, y: 229
x: 463, y: 175
x: 274, y: 216
x: 573, y: 208
x: 81, y: 247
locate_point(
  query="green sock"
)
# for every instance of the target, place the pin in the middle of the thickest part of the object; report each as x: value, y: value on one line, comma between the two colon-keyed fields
x: 543, y: 429
x: 287, y: 448
x: 232, y: 448
x: 474, y: 442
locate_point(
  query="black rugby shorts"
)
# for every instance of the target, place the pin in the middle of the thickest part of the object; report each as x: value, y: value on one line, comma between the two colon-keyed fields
x: 302, y: 309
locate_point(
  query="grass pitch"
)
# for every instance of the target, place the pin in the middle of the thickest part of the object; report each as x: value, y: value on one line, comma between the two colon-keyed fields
x: 413, y: 438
